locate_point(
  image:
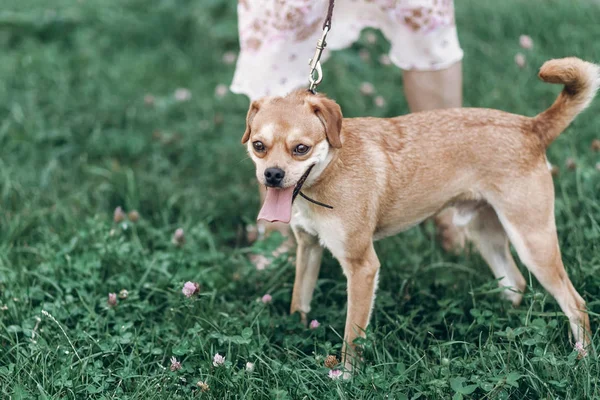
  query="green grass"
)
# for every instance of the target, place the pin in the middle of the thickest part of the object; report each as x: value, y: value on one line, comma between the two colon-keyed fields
x: 77, y: 140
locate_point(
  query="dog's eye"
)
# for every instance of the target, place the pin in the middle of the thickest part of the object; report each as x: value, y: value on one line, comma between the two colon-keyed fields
x: 301, y: 149
x: 258, y: 146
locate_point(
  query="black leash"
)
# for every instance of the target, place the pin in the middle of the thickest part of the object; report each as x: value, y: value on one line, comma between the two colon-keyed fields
x: 299, y: 187
x: 316, y: 202
x: 327, y: 22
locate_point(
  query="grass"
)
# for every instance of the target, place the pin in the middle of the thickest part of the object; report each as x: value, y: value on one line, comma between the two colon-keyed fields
x: 77, y: 140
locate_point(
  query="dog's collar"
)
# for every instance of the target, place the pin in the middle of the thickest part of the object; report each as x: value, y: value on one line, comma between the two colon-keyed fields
x: 299, y: 187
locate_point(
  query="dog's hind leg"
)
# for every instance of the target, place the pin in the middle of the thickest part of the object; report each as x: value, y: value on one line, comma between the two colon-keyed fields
x: 490, y: 239
x: 308, y: 262
x: 525, y: 207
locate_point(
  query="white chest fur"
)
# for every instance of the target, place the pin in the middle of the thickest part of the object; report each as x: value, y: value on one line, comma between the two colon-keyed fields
x: 329, y: 229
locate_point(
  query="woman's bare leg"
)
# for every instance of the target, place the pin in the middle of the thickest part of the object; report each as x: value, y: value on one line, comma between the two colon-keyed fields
x: 430, y: 90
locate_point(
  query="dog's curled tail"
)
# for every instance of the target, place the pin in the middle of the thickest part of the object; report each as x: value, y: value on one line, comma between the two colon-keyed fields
x: 581, y: 80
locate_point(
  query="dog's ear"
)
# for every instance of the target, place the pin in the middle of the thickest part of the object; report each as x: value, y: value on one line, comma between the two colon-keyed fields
x: 254, y: 107
x: 330, y: 114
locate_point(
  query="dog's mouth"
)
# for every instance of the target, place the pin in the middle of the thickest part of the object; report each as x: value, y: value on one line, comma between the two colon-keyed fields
x: 278, y: 202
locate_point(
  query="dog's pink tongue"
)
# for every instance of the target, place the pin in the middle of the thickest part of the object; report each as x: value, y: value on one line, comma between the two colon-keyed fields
x: 277, y: 205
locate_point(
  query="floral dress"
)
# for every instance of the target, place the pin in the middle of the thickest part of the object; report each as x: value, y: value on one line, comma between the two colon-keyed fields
x: 277, y: 37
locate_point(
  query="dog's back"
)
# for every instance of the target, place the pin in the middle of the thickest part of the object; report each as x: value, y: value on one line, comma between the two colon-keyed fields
x: 456, y: 141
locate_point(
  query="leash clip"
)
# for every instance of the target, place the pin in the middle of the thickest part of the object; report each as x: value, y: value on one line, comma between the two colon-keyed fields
x: 315, y: 62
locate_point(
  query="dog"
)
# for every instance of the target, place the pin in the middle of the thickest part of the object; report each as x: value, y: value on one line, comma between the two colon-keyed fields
x: 385, y: 175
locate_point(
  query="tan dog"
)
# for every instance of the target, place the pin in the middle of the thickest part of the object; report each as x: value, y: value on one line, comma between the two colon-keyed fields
x: 383, y: 176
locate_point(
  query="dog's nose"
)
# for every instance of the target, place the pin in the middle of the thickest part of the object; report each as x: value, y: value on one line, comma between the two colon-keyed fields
x: 274, y: 176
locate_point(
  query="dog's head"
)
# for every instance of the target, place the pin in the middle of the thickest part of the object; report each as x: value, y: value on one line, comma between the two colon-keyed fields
x: 285, y: 136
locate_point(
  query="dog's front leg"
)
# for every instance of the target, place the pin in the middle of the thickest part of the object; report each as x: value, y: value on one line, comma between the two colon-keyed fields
x: 308, y: 262
x: 362, y: 273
